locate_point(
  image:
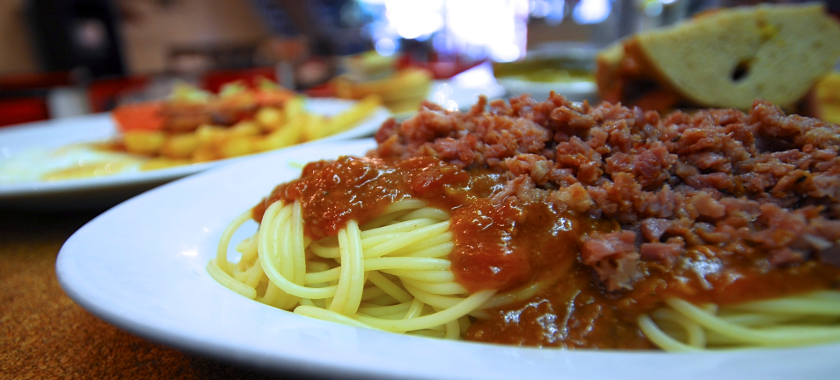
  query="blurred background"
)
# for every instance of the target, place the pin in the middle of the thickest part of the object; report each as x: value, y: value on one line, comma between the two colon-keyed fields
x: 68, y: 57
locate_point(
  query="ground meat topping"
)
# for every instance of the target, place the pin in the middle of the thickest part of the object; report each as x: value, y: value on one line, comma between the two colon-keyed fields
x: 719, y: 178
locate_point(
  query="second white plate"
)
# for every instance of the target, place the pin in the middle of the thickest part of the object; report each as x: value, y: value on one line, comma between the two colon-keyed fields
x: 17, y: 143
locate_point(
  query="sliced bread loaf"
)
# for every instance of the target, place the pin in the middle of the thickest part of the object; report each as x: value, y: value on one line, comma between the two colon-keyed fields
x: 731, y: 57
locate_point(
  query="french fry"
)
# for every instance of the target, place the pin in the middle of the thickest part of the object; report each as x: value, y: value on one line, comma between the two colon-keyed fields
x: 235, y: 146
x: 315, y: 127
x: 288, y: 134
x: 294, y: 107
x: 143, y: 142
x: 352, y: 116
x: 245, y: 128
x: 205, y: 152
x: 270, y: 118
x: 180, y: 145
x: 210, y: 134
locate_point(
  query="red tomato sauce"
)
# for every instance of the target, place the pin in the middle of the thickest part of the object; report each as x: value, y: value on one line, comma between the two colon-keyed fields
x: 509, y: 245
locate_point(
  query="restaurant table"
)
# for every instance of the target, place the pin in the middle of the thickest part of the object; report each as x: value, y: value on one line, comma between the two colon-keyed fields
x: 45, y: 335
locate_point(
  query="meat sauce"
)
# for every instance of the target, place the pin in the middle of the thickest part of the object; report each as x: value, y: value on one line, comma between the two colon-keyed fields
x: 509, y: 244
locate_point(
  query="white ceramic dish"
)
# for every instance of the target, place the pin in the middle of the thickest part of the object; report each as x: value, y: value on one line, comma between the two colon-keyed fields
x: 141, y: 266
x: 17, y: 142
x: 574, y: 55
x: 455, y: 96
x: 462, y: 90
x: 574, y: 91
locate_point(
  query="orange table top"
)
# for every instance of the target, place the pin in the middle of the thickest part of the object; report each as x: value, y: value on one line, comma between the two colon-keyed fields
x: 45, y: 335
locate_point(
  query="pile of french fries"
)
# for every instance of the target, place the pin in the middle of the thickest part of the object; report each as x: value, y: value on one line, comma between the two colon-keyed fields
x: 270, y: 128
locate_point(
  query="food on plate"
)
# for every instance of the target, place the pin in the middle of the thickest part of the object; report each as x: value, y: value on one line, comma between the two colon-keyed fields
x: 725, y: 58
x: 401, y: 90
x: 567, y: 70
x: 825, y: 98
x: 562, y: 224
x: 543, y: 71
x: 69, y: 162
x: 196, y: 126
x: 192, y: 126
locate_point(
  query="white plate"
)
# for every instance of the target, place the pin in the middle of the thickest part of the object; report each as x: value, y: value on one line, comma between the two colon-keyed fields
x: 454, y: 97
x: 462, y: 91
x: 141, y: 267
x: 19, y: 142
x: 574, y: 91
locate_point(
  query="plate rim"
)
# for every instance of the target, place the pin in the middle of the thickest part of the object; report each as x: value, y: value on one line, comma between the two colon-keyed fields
x: 31, y: 189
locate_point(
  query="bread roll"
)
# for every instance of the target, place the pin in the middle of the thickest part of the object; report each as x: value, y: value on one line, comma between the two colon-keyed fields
x: 726, y: 58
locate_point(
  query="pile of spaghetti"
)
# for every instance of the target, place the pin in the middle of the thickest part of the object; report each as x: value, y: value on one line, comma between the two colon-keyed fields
x: 563, y: 224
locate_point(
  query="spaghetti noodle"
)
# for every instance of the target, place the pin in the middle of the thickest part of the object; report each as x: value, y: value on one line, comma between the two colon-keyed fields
x: 391, y: 273
x: 429, y: 235
x: 813, y: 318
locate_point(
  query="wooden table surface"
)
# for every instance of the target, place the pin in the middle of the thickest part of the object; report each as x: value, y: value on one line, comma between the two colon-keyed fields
x: 45, y: 335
